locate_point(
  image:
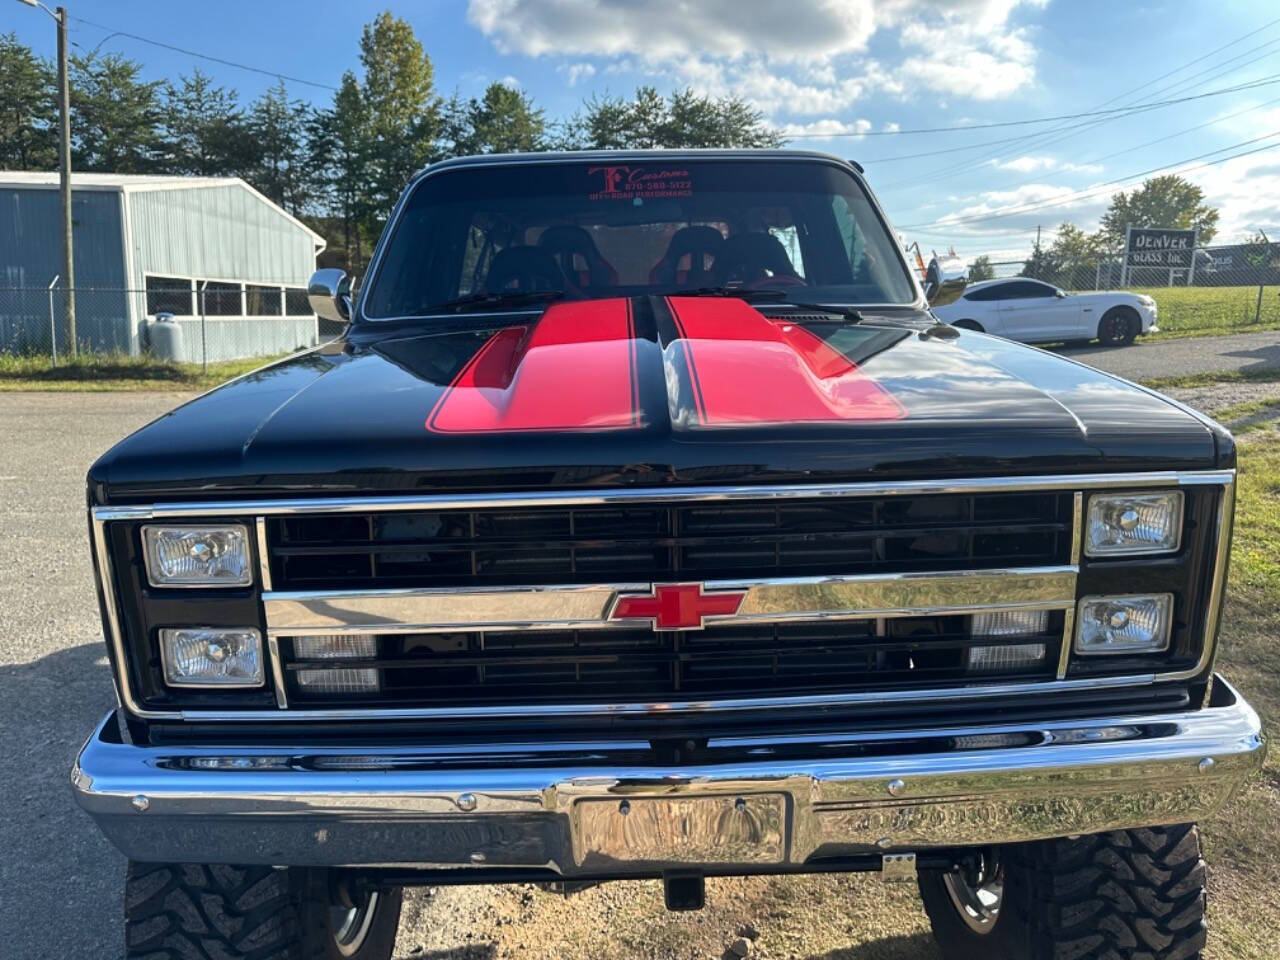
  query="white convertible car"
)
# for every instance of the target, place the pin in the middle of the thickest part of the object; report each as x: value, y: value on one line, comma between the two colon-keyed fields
x: 1036, y: 312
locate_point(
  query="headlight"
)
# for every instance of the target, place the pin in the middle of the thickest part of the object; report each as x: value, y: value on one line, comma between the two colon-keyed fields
x: 198, y: 556
x: 211, y: 657
x: 1126, y: 524
x: 1133, y: 624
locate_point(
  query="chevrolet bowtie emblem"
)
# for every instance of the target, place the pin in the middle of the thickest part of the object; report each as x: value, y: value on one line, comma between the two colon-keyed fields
x: 676, y: 606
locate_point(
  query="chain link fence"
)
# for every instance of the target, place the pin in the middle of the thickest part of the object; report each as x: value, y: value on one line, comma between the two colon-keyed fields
x: 185, y: 324
x: 1228, y: 287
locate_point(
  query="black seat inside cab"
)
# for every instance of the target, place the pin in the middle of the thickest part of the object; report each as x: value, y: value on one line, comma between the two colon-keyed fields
x: 747, y: 257
x: 701, y: 244
x: 523, y: 268
x: 568, y: 244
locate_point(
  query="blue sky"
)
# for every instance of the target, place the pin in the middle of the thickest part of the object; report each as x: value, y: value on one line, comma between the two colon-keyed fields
x: 856, y: 68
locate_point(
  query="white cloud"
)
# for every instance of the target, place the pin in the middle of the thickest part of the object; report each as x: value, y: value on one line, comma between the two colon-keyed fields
x: 579, y: 70
x: 892, y: 127
x: 818, y: 129
x: 510, y: 81
x: 798, y: 59
x: 1034, y: 164
x: 1246, y: 192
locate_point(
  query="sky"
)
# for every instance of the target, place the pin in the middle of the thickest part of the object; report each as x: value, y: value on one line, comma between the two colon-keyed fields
x: 850, y: 77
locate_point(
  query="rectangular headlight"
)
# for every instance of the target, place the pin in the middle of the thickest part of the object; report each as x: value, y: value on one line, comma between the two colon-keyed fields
x: 1127, y: 524
x: 1132, y: 624
x: 211, y: 657
x: 213, y: 555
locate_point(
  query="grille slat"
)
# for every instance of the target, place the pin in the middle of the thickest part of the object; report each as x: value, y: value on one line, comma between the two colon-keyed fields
x: 613, y: 666
x: 590, y: 544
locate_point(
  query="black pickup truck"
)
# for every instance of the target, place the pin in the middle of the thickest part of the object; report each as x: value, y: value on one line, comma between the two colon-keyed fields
x: 643, y: 523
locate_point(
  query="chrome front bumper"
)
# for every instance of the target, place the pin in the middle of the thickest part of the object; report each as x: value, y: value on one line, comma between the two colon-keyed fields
x: 597, y: 810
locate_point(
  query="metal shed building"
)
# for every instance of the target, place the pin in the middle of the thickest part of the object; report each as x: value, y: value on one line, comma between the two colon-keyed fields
x: 148, y: 244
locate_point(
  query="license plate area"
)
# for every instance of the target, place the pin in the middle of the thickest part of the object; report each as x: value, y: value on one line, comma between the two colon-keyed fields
x: 682, y: 830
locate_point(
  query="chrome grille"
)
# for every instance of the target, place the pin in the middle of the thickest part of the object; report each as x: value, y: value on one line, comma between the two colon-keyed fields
x: 640, y: 665
x: 588, y: 544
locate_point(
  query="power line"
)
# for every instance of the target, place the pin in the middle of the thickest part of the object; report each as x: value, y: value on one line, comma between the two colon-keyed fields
x: 1103, y: 187
x: 1267, y: 81
x: 1022, y: 137
x: 205, y: 56
x: 1046, y: 138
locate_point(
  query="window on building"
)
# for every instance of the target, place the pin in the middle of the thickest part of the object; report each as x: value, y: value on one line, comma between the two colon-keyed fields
x: 168, y: 295
x: 222, y: 299
x: 262, y: 301
x: 296, y: 303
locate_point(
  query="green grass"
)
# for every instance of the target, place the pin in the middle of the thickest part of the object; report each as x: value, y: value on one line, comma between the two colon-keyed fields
x: 1242, y: 842
x: 1212, y: 311
x: 117, y: 372
x: 1213, y: 378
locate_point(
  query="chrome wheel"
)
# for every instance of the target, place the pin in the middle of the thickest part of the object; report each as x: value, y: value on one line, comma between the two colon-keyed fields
x: 350, y: 925
x: 977, y: 896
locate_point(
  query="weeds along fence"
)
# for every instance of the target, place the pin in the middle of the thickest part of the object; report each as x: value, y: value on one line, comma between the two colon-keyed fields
x: 1229, y: 287
x: 226, y: 321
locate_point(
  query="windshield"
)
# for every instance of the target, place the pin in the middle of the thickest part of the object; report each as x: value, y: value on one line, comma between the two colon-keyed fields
x: 590, y: 230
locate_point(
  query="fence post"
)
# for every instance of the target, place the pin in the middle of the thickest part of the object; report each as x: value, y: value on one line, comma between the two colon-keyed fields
x: 1257, y: 311
x: 53, y: 328
x: 204, y: 346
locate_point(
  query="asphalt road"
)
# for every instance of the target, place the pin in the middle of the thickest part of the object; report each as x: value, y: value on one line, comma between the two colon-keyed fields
x: 60, y: 882
x: 1244, y: 352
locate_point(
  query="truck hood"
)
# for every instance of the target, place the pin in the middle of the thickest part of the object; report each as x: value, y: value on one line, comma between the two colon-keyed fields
x: 650, y: 391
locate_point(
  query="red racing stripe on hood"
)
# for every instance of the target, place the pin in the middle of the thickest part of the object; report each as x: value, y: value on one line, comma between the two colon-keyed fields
x: 573, y: 369
x: 749, y: 369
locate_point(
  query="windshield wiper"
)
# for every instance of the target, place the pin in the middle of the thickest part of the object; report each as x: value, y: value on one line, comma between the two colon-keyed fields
x: 741, y: 293
x: 845, y: 313
x: 508, y: 298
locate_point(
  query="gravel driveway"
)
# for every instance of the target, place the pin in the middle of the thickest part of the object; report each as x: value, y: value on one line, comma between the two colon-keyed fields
x: 1244, y: 352
x: 61, y: 883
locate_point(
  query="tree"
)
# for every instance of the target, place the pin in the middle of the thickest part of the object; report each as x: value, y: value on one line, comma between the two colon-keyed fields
x: 279, y: 166
x: 116, y: 118
x: 1041, y: 265
x: 28, y: 111
x: 1168, y: 201
x: 696, y: 121
x: 338, y: 144
x: 207, y: 132
x: 502, y: 121
x: 1076, y: 255
x: 685, y: 119
x: 401, y: 108
x: 981, y: 269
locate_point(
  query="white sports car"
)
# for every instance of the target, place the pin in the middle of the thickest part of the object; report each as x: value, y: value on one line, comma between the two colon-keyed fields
x: 1036, y: 312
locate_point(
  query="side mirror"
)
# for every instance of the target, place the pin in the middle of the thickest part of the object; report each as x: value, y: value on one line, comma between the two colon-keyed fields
x: 1060, y: 294
x: 329, y: 292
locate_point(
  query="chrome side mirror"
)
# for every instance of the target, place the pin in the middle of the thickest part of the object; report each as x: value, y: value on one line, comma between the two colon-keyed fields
x: 329, y: 293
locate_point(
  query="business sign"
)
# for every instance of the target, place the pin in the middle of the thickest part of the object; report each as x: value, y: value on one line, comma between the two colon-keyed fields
x: 1158, y: 247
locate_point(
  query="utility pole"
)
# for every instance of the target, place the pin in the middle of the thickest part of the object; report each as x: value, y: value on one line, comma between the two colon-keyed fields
x: 64, y: 180
x: 64, y: 173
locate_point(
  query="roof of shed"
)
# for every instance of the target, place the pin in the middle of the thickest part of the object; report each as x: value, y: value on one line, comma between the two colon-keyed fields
x: 128, y: 182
